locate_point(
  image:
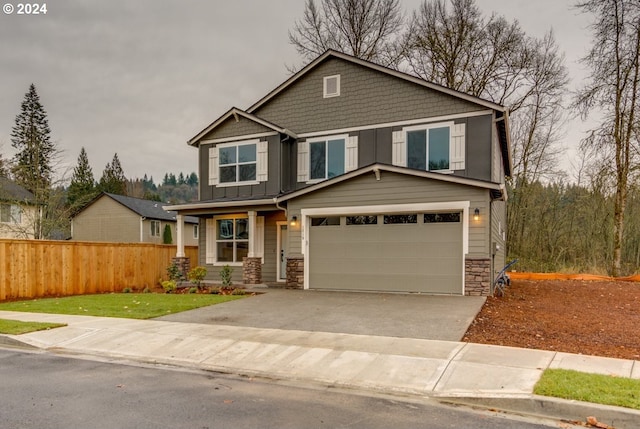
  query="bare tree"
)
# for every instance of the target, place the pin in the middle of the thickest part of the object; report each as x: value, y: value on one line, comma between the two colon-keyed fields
x: 612, y: 88
x: 367, y: 29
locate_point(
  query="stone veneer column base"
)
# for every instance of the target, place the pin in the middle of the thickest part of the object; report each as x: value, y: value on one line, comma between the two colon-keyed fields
x: 295, y: 272
x: 251, y: 271
x: 183, y: 263
x: 477, y: 276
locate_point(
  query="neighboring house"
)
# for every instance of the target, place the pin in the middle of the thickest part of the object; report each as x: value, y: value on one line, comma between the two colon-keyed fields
x: 17, y: 211
x: 353, y: 176
x: 117, y: 218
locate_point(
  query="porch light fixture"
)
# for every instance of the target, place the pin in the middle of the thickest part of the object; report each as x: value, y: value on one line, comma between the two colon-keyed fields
x: 476, y: 214
x: 294, y: 221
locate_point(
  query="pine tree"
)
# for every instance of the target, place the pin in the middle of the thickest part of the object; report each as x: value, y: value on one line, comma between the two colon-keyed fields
x: 33, y: 163
x: 83, y: 187
x: 30, y: 136
x: 113, y: 180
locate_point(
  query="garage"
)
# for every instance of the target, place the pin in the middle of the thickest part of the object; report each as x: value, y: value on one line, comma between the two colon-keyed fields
x: 406, y: 252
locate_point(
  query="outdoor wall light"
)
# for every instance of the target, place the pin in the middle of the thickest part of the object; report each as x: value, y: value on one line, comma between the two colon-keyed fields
x: 294, y: 221
x: 476, y: 214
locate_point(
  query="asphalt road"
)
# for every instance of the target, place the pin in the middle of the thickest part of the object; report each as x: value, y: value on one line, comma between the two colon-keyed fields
x: 44, y: 390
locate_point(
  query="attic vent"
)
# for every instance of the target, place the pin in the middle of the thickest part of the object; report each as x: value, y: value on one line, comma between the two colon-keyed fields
x: 331, y: 86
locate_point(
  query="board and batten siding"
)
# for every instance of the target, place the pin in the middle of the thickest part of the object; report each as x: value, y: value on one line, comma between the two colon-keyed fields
x: 394, y: 188
x: 498, y: 234
x: 107, y: 220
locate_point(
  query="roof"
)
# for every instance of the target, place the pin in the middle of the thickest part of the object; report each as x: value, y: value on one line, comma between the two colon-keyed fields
x: 497, y: 189
x: 145, y: 208
x: 236, y: 113
x: 11, y: 191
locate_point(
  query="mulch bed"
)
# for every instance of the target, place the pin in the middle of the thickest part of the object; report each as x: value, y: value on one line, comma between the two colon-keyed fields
x: 599, y: 318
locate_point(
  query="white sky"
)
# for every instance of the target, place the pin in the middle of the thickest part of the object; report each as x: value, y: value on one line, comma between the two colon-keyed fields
x: 141, y: 77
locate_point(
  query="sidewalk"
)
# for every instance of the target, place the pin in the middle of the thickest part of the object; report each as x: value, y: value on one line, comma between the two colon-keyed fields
x: 496, y: 377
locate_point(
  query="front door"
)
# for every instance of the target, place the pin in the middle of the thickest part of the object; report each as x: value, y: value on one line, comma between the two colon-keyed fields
x: 283, y: 250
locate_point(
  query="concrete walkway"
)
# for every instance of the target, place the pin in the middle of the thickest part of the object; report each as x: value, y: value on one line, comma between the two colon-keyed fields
x: 498, y: 377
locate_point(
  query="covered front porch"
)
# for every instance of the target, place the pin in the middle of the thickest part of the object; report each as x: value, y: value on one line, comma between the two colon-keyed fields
x: 251, y: 237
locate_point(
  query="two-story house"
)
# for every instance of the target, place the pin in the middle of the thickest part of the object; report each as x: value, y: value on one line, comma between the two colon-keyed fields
x: 353, y: 176
x: 18, y: 211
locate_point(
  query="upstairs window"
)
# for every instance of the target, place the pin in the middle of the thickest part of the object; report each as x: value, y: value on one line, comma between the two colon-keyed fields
x: 237, y: 163
x: 331, y: 86
x: 326, y: 159
x: 428, y: 149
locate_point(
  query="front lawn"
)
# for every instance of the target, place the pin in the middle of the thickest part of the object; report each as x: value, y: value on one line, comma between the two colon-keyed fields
x: 131, y: 306
x: 16, y: 327
x: 596, y: 388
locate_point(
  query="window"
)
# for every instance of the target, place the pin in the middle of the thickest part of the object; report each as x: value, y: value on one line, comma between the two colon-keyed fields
x: 10, y: 213
x: 326, y: 158
x: 232, y: 239
x: 399, y: 219
x: 434, y: 147
x: 196, y: 231
x: 237, y: 163
x: 362, y: 220
x: 441, y: 217
x: 331, y: 86
x: 428, y: 148
x: 155, y: 228
x: 325, y: 221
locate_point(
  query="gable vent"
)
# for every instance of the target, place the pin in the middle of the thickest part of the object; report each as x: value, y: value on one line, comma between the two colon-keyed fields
x: 331, y: 86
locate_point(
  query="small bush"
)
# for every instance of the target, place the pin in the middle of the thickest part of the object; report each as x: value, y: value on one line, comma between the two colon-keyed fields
x: 214, y: 291
x: 174, y: 273
x: 169, y: 286
x: 238, y: 292
x: 225, y: 276
x: 196, y: 275
x: 126, y: 290
x: 193, y: 290
x: 146, y: 290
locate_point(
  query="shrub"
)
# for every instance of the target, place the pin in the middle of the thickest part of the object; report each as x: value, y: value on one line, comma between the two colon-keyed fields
x: 146, y: 290
x: 196, y: 275
x: 238, y: 292
x: 214, y: 291
x: 225, y: 276
x: 169, y: 286
x: 174, y: 273
x: 166, y: 235
x: 193, y: 290
x: 126, y: 290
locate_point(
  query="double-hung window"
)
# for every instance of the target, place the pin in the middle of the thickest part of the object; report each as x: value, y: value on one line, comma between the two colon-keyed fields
x: 237, y: 162
x: 433, y: 147
x: 155, y: 228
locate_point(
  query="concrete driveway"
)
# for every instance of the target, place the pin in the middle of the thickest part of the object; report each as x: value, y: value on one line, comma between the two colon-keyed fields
x: 391, y: 315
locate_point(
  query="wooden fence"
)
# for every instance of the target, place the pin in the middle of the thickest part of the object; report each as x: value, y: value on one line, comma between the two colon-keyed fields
x: 38, y: 268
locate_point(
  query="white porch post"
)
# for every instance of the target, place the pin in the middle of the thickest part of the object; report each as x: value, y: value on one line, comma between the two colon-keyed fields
x: 252, y: 233
x: 180, y: 236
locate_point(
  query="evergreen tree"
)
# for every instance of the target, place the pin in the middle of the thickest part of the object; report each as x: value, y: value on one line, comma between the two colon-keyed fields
x: 181, y: 179
x: 113, y: 180
x: 30, y: 136
x: 83, y: 187
x: 33, y: 162
x: 192, y: 180
x: 166, y: 235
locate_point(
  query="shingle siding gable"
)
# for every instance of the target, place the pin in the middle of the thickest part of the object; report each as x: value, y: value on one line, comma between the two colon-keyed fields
x: 367, y: 97
x: 232, y: 128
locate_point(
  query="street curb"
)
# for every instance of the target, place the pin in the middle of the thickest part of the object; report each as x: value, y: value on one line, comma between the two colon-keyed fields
x: 8, y: 341
x: 560, y: 409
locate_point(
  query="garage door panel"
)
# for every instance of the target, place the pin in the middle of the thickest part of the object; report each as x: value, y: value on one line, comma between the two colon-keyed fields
x: 419, y: 257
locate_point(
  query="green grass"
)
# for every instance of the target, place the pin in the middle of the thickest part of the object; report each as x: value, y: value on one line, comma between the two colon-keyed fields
x: 16, y: 327
x: 595, y: 388
x: 127, y: 305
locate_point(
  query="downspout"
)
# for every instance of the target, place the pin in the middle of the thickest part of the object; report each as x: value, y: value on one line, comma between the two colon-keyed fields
x: 142, y: 219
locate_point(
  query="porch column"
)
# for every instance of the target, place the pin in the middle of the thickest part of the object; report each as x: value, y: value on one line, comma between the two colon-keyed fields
x: 252, y: 233
x: 180, y: 236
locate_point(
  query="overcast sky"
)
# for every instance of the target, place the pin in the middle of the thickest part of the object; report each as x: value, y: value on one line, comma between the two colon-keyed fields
x: 142, y: 77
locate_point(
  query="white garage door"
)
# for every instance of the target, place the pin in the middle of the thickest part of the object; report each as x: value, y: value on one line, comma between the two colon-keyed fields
x: 385, y: 252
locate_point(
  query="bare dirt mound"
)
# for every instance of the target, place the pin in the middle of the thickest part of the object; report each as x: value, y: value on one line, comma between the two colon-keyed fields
x: 599, y: 318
